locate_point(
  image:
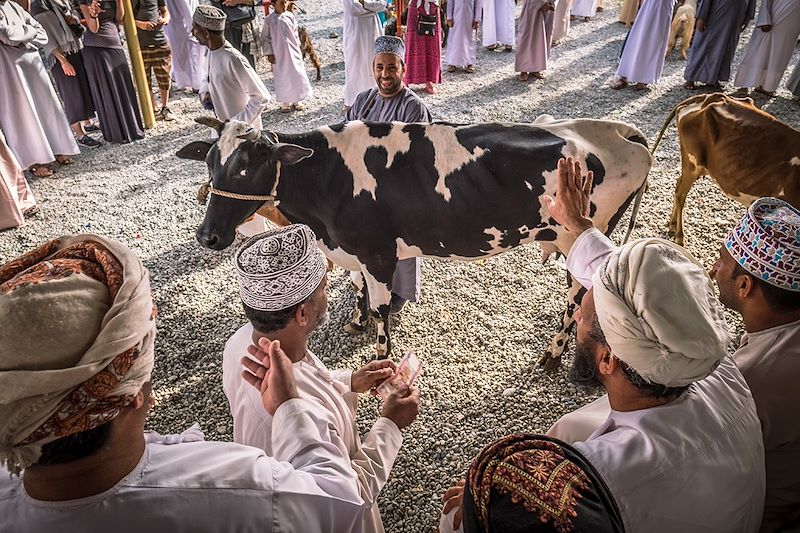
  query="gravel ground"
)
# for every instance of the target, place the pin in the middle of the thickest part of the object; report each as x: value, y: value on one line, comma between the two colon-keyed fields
x: 480, y: 327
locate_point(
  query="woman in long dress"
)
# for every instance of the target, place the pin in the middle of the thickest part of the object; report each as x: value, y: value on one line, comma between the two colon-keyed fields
x: 16, y: 199
x: 107, y: 69
x: 423, y: 52
x: 31, y: 115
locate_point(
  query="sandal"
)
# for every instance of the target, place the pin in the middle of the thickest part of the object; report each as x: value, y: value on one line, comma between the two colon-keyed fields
x: 761, y: 90
x: 40, y: 171
x: 298, y: 106
x: 690, y: 85
x: 619, y: 84
x: 64, y: 160
x: 470, y: 69
x: 640, y: 86
x: 31, y: 211
x: 523, y: 76
x: 430, y: 89
x: 451, y: 68
x: 286, y: 109
x: 538, y: 75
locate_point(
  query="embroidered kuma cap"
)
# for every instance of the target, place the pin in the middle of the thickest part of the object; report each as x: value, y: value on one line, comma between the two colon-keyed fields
x: 279, y: 268
x: 209, y: 17
x: 766, y: 243
x: 388, y: 44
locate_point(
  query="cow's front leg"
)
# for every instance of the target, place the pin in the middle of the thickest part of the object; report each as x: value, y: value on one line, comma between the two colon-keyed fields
x: 380, y: 295
x: 361, y: 312
x: 552, y: 357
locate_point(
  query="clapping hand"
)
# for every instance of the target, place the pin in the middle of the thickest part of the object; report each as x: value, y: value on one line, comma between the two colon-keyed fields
x: 369, y: 376
x: 271, y: 373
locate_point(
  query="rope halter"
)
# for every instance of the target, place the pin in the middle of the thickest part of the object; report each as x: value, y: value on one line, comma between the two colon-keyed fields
x: 206, y: 189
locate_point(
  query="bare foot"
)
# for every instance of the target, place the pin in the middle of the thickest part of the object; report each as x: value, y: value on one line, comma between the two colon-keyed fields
x: 619, y: 84
x: 537, y: 75
x: 40, y: 171
x: 430, y: 89
x: 64, y: 160
x: 690, y: 85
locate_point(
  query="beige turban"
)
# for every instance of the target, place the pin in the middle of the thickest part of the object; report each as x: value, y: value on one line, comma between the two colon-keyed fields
x: 76, y: 343
x: 659, y: 313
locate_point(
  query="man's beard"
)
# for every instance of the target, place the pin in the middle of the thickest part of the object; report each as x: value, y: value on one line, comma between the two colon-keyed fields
x: 583, y: 372
x: 322, y: 319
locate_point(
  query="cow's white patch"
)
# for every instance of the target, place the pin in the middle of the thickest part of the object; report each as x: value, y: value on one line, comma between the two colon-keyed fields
x: 496, y: 238
x: 405, y: 251
x: 449, y: 154
x: 340, y: 257
x: 529, y: 186
x: 229, y: 140
x: 352, y: 143
x: 795, y: 161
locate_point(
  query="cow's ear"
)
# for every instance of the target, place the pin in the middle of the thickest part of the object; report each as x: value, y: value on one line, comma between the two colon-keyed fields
x: 290, y: 153
x: 197, y: 150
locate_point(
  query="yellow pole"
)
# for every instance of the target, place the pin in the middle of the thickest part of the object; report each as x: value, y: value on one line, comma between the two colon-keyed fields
x: 142, y: 85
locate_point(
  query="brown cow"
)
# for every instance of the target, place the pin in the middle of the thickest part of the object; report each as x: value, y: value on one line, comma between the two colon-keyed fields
x: 747, y: 151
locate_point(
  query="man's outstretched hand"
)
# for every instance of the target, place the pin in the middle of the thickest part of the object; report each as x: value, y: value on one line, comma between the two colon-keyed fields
x: 273, y: 376
x: 570, y: 207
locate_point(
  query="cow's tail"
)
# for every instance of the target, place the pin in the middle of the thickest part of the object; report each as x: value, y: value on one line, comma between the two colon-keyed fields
x: 664, y: 128
x: 639, y: 193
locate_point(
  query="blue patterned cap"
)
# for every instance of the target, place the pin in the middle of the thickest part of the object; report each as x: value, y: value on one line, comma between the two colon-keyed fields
x: 388, y: 44
x: 766, y: 243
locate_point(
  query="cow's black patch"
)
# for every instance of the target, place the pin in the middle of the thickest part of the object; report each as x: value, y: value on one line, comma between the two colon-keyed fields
x: 513, y: 238
x: 337, y: 127
x: 378, y: 130
x: 594, y: 164
x: 638, y: 139
x: 547, y: 234
x: 592, y: 209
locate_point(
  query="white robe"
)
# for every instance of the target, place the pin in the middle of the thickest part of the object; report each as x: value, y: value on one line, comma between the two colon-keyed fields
x: 15, y: 195
x: 279, y: 38
x: 498, y: 22
x: 461, y: 43
x: 371, y: 460
x: 30, y: 112
x: 184, y: 484
x: 642, y: 59
x: 189, y: 61
x: 793, y: 83
x: 584, y: 8
x: 360, y: 28
x: 768, y: 53
x: 701, y: 457
x: 561, y: 20
x: 236, y: 90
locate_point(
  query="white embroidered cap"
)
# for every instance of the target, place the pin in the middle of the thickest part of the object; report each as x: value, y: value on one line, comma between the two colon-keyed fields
x: 279, y: 268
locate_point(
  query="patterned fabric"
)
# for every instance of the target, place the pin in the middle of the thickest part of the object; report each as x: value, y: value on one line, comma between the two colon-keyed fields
x: 209, y: 17
x: 423, y: 53
x: 77, y: 341
x: 766, y: 243
x: 158, y: 61
x: 388, y: 44
x: 529, y: 483
x: 279, y: 268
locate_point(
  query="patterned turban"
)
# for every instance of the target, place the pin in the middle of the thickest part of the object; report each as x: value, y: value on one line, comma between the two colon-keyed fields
x: 388, y: 44
x: 529, y: 483
x: 659, y: 313
x: 766, y: 243
x: 279, y: 268
x: 76, y: 343
x: 209, y: 17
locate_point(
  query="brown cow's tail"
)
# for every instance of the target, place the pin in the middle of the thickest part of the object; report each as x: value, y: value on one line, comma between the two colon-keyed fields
x: 664, y: 127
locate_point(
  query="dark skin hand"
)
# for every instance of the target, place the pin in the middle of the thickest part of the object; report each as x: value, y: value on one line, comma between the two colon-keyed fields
x: 570, y: 208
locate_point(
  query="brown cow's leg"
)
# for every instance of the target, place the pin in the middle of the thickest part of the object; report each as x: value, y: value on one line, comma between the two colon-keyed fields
x: 689, y: 174
x: 552, y: 357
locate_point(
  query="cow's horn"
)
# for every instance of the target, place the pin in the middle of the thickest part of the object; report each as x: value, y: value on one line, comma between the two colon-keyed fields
x: 251, y: 134
x: 211, y: 122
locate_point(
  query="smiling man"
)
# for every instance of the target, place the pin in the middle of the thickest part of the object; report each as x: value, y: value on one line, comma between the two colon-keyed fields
x: 392, y: 101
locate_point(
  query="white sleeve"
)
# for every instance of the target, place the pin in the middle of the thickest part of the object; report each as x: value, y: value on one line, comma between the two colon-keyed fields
x: 373, y: 461
x: 344, y: 377
x: 587, y: 254
x: 266, y: 38
x: 29, y: 32
x: 314, y: 482
x: 255, y: 89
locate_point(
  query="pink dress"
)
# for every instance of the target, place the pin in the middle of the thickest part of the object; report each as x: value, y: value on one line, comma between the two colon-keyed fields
x: 423, y: 53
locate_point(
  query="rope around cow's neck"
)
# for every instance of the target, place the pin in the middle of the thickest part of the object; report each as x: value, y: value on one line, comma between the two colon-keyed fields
x: 206, y: 189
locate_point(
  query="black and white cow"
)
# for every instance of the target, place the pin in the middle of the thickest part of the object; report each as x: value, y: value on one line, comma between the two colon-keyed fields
x: 377, y: 193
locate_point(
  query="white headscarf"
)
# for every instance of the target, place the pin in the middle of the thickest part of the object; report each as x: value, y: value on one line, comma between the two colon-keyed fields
x: 76, y: 342
x: 659, y: 313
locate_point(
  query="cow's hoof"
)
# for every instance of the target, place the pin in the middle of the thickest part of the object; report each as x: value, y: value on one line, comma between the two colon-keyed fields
x: 354, y: 329
x: 549, y: 361
x: 380, y: 357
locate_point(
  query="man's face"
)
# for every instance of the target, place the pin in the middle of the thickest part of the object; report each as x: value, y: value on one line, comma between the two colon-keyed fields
x: 722, y: 273
x: 199, y: 33
x: 388, y: 71
x: 584, y: 371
